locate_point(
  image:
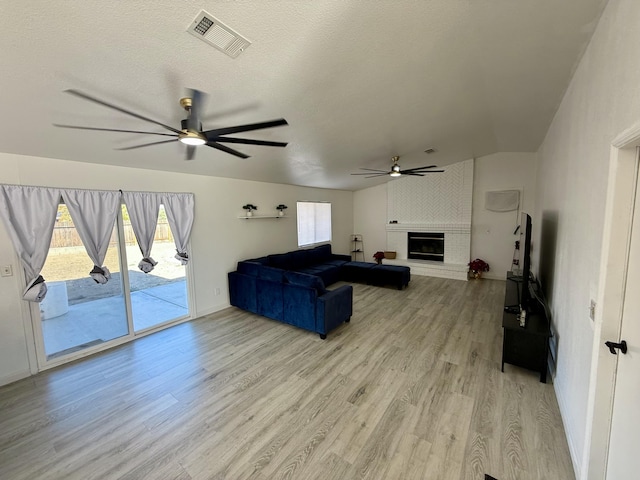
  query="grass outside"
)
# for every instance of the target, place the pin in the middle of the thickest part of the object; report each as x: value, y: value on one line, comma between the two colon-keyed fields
x: 72, y: 264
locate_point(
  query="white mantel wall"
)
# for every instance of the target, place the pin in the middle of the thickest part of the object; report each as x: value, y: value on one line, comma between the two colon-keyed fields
x: 219, y: 239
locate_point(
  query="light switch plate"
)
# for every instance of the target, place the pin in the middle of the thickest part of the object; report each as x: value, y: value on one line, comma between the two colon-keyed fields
x: 6, y: 271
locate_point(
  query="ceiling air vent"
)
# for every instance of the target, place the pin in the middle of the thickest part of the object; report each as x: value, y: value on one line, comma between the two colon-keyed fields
x: 429, y: 151
x: 211, y: 30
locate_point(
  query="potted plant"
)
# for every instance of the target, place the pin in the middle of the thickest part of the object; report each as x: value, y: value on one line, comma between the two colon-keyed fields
x: 476, y: 267
x: 249, y: 208
x: 281, y: 208
x: 378, y: 256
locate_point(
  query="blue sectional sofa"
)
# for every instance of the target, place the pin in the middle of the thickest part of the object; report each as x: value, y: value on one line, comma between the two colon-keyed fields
x: 290, y: 287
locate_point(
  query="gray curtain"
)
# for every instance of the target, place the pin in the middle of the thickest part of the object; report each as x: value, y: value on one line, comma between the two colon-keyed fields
x: 29, y: 214
x: 180, y: 208
x: 94, y: 214
x: 143, y: 212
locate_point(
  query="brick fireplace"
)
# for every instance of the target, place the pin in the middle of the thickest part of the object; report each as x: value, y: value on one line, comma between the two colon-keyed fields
x: 422, y: 206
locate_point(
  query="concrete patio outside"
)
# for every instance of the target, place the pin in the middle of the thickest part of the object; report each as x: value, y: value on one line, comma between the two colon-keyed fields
x: 94, y: 313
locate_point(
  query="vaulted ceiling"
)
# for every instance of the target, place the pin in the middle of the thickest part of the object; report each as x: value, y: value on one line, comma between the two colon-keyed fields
x: 357, y: 81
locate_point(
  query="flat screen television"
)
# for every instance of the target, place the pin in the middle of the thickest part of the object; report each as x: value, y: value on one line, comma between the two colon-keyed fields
x: 522, y: 274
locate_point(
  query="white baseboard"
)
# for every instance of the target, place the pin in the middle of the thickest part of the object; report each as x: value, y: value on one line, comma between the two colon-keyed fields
x: 576, y: 460
x: 214, y: 309
x: 14, y: 377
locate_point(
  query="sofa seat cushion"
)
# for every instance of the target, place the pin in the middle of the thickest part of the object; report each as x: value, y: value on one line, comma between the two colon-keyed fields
x: 396, y: 275
x: 356, y: 271
x: 306, y: 280
x: 329, y: 273
x: 309, y: 270
x: 335, y: 263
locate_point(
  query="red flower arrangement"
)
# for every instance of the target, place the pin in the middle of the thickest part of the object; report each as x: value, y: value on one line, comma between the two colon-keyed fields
x: 378, y: 256
x: 478, y: 265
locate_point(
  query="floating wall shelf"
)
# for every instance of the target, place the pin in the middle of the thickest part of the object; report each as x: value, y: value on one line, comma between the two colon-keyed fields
x: 261, y: 216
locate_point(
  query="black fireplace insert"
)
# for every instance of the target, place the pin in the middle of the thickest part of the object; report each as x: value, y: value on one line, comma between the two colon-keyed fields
x: 425, y: 246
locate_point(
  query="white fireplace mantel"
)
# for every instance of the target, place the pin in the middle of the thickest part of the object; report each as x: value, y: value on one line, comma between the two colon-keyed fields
x: 430, y: 227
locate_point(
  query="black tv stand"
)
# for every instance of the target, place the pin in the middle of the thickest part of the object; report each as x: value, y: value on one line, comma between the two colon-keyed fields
x: 512, y: 309
x: 527, y: 346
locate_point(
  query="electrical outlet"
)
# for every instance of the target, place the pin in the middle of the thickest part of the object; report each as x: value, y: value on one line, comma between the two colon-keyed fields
x: 592, y: 310
x: 6, y: 271
x: 217, y: 291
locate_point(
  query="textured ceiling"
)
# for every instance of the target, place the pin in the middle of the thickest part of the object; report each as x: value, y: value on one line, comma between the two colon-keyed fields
x: 357, y: 81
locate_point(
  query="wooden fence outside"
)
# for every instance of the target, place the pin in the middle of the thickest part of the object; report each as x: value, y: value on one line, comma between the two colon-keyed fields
x: 66, y: 235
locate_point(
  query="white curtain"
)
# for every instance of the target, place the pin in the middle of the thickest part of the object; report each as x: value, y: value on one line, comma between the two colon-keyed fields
x: 180, y: 213
x: 94, y: 214
x: 143, y: 212
x: 29, y: 214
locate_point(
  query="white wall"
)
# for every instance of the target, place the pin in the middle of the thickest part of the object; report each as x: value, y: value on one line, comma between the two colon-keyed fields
x: 602, y: 100
x: 219, y: 238
x: 492, y: 236
x: 370, y: 218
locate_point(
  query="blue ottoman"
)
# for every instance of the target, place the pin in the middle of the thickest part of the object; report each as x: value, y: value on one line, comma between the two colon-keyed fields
x: 356, y: 271
x: 395, y: 275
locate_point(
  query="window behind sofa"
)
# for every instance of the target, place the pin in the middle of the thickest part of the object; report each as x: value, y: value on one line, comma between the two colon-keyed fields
x: 314, y: 223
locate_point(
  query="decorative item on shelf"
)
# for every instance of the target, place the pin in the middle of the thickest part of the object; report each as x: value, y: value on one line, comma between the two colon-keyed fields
x: 281, y: 208
x: 476, y: 267
x: 249, y: 208
x: 378, y: 256
x: 390, y: 255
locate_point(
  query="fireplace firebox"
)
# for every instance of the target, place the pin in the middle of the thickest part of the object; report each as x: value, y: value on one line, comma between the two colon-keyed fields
x: 425, y: 246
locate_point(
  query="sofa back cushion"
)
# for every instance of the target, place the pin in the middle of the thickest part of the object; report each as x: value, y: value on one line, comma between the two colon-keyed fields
x: 249, y: 268
x: 261, y: 260
x: 300, y: 258
x: 270, y: 273
x: 323, y: 252
x: 281, y: 260
x: 305, y: 280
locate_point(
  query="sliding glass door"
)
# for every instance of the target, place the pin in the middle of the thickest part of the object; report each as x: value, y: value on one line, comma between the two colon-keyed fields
x: 79, y: 314
x: 159, y: 296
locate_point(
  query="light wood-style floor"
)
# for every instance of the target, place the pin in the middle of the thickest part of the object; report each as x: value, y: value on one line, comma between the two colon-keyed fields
x: 410, y: 389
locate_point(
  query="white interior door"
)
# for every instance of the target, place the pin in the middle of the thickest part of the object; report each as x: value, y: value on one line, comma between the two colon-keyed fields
x: 624, y: 459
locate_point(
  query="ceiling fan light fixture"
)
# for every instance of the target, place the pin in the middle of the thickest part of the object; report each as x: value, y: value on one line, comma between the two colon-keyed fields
x: 395, y: 170
x: 189, y: 137
x: 395, y: 174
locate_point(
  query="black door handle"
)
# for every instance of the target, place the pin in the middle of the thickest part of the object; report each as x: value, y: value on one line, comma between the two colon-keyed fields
x: 622, y: 346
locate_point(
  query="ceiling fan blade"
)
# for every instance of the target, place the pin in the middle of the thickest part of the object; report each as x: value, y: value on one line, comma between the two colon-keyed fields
x: 191, y: 152
x: 247, y: 141
x: 146, y: 145
x: 119, y: 109
x: 414, y: 174
x: 371, y: 173
x: 375, y: 170
x: 113, y: 130
x: 225, y: 149
x: 411, y: 172
x: 377, y: 175
x: 193, y: 122
x: 213, y: 134
x: 420, y: 168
